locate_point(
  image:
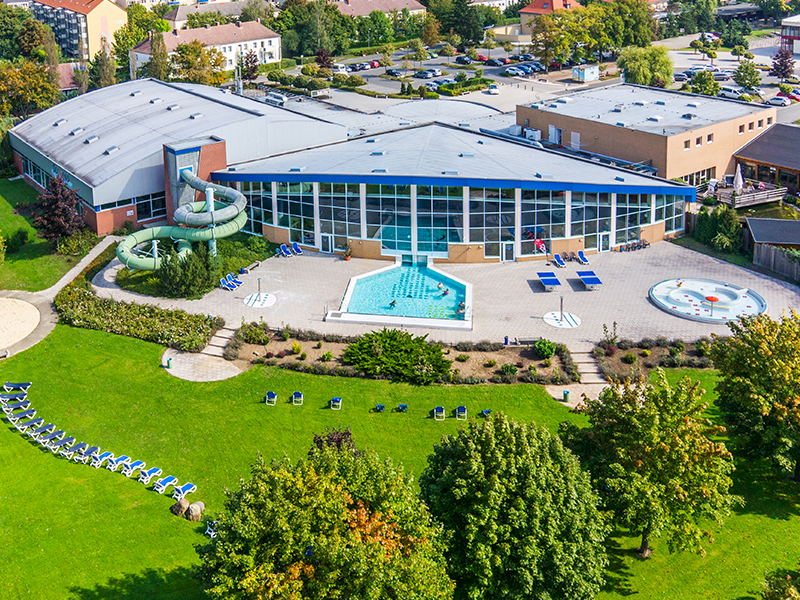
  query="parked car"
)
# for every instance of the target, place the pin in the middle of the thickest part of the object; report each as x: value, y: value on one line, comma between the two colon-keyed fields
x: 374, y: 64
x: 364, y: 66
x: 791, y: 96
x: 680, y: 77
x: 482, y: 58
x: 526, y: 68
x: 779, y: 101
x: 708, y: 36
x: 423, y: 75
x: 730, y: 92
x: 493, y: 62
x: 537, y: 67
x: 436, y: 72
x: 505, y: 61
x: 526, y: 56
x: 394, y: 72
x: 754, y: 92
x: 515, y: 72
x: 351, y: 68
x: 494, y: 89
x: 463, y: 60
x: 722, y: 77
x: 515, y: 57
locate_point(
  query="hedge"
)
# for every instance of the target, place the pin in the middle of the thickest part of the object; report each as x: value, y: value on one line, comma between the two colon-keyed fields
x: 77, y: 305
x: 286, y: 64
x: 470, y: 85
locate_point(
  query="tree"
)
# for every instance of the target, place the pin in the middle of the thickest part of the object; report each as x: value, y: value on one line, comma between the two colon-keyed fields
x: 704, y: 83
x: 781, y: 584
x: 644, y: 66
x: 738, y: 52
x: 24, y: 87
x: 211, y: 18
x: 52, y: 56
x: 56, y: 211
x: 336, y: 525
x: 102, y: 70
x: 140, y: 23
x: 652, y: 459
x: 629, y: 23
x: 194, y: 63
x: 417, y: 52
x: 502, y: 489
x: 81, y: 72
x: 323, y: 59
x: 430, y: 31
x: 757, y: 391
x: 782, y: 65
x: 254, y: 10
x: 250, y: 67
x: 31, y: 36
x: 11, y: 21
x: 158, y: 67
x: 386, y: 56
x: 465, y: 21
x: 747, y: 76
x: 548, y: 40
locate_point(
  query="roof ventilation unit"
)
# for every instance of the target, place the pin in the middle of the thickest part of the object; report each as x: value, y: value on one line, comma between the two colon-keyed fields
x: 196, y: 116
x: 136, y: 93
x: 59, y: 122
x: 450, y: 172
x: 688, y: 116
x: 466, y: 154
x: 91, y: 139
x: 111, y: 150
x: 373, y: 140
x: 297, y: 169
x: 232, y: 168
x: 621, y: 124
x: 173, y: 107
x: 641, y: 103
x: 662, y: 102
x: 76, y: 131
x: 405, y: 122
x: 379, y: 170
x: 694, y: 104
x: 484, y: 142
x: 565, y: 100
x: 378, y: 153
x: 553, y: 105
x: 156, y: 101
x: 655, y: 118
x: 617, y: 108
x: 544, y: 176
x: 618, y: 178
x: 463, y: 124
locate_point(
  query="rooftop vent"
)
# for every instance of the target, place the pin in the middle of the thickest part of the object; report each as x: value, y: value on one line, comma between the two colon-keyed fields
x: 297, y: 169
x: 173, y: 107
x: 232, y: 168
x: 654, y: 118
x: 621, y: 124
x: 553, y: 105
x: 565, y: 100
x: 196, y: 116
x: 405, y: 123
x: 156, y: 101
x: 450, y: 172
x: 641, y: 103
x: 466, y: 154
x: 59, y: 122
x: 688, y: 116
x: 544, y: 175
x: 378, y: 153
x: 617, y: 108
x: 484, y: 141
x: 694, y: 104
x: 76, y: 131
x: 662, y: 102
x: 136, y: 93
x: 463, y: 124
x: 111, y: 150
x: 618, y: 178
x: 373, y: 140
x: 91, y: 139
x: 379, y: 170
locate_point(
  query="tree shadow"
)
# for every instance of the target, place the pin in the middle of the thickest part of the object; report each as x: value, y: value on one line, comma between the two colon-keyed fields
x: 766, y: 490
x: 617, y: 572
x: 151, y: 584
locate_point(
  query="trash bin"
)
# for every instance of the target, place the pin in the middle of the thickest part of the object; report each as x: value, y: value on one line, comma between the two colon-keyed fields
x: 241, y: 270
x: 566, y: 395
x: 169, y: 363
x: 506, y: 341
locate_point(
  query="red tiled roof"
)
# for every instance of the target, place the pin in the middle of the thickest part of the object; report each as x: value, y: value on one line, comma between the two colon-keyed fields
x: 545, y: 7
x: 83, y: 7
x: 216, y: 35
x: 362, y: 8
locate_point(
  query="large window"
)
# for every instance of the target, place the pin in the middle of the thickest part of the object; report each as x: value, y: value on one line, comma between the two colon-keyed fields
x: 491, y: 218
x: 296, y: 211
x: 633, y: 211
x: 591, y: 215
x: 36, y: 173
x: 670, y: 209
x: 440, y: 217
x: 543, y: 218
x: 389, y: 216
x: 151, y: 206
x: 259, y: 205
x: 339, y: 213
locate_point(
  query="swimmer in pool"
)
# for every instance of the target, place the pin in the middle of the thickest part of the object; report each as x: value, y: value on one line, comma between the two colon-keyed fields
x: 440, y: 285
x: 445, y: 292
x: 393, y: 303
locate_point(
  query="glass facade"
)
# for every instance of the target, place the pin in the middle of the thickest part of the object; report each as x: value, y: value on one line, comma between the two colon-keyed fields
x: 633, y: 211
x: 491, y: 218
x: 259, y: 203
x: 33, y: 171
x: 339, y: 212
x: 296, y: 211
x: 670, y: 209
x: 440, y: 218
x: 590, y: 216
x: 543, y: 217
x: 389, y: 216
x: 151, y: 206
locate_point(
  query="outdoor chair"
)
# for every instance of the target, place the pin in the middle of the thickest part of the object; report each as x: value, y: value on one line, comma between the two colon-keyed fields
x: 485, y: 413
x: 181, y: 492
x: 573, y: 257
x: 210, y: 531
x: 40, y: 431
x: 226, y: 286
x: 146, y: 476
x: 233, y: 281
x: 162, y: 484
x: 50, y: 437
x: 98, y: 460
x: 461, y: 413
x: 297, y: 398
x: 69, y: 452
x: 559, y: 261
x: 336, y: 404
x: 22, y: 387
x: 61, y: 444
x: 645, y: 243
x: 402, y: 408
x: 87, y: 455
x: 582, y: 258
x: 27, y: 425
x: 438, y: 413
x: 270, y: 399
x: 380, y: 408
x: 131, y: 468
x: 296, y: 249
x: 115, y: 464
x: 16, y: 417
x: 285, y: 251
x: 23, y: 404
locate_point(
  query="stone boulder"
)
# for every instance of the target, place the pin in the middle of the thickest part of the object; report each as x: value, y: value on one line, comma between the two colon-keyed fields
x: 195, y: 511
x: 179, y: 508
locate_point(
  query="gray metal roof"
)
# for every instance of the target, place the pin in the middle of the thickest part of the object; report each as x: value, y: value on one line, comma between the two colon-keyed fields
x: 98, y: 135
x: 652, y: 110
x: 777, y: 146
x: 774, y: 231
x: 441, y: 151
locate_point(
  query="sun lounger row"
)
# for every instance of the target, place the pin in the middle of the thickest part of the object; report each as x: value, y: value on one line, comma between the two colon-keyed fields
x: 230, y: 282
x: 54, y: 440
x: 631, y: 246
x: 296, y: 250
x: 562, y: 259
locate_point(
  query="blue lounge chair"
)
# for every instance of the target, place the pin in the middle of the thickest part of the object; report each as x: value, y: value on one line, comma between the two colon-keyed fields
x: 582, y: 258
x: 69, y: 452
x: 233, y: 281
x: 146, y: 476
x: 27, y: 425
x: 186, y: 488
x: 87, y: 455
x: 131, y: 468
x: 461, y: 413
x: 589, y: 279
x: 380, y: 408
x: 5, y: 398
x: 40, y: 431
x: 402, y: 408
x: 297, y: 398
x: 336, y: 404
x: 98, y: 460
x: 162, y: 484
x: 549, y: 280
x: 559, y: 261
x: 61, y: 444
x: 23, y: 404
x: 486, y: 412
x: 271, y: 398
x: 26, y: 414
x: 226, y: 286
x: 296, y: 249
x: 118, y: 462
x: 285, y: 251
x: 438, y: 413
x: 21, y: 387
x: 50, y: 437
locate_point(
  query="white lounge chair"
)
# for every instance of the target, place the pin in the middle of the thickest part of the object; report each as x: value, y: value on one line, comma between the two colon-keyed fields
x: 186, y: 488
x: 210, y: 531
x: 146, y: 476
x: 22, y: 387
x: 41, y: 431
x: 17, y: 417
x: 98, y: 460
x: 26, y: 425
x: 51, y: 437
x: 68, y: 453
x: 162, y: 484
x: 87, y: 455
x: 61, y: 444
x: 297, y: 398
x: 131, y: 468
x: 123, y: 460
x: 461, y: 413
x: 21, y: 404
x: 270, y: 399
x: 336, y: 404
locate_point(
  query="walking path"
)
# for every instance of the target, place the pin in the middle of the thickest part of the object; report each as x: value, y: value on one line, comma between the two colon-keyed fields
x: 591, y: 384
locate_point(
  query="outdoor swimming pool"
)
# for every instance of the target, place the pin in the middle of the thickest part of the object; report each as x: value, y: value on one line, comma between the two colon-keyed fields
x: 410, y: 295
x: 706, y: 300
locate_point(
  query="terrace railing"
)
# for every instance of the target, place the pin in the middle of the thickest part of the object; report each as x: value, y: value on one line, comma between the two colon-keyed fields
x: 770, y: 193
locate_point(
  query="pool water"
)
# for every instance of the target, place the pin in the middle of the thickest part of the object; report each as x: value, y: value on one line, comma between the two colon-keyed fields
x: 415, y: 291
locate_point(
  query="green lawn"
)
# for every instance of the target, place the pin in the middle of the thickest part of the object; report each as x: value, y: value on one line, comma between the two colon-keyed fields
x: 773, y: 210
x: 98, y: 535
x: 34, y: 267
x: 692, y: 244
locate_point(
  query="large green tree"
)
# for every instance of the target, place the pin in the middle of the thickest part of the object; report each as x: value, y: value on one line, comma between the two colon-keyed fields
x: 211, y: 18
x: 158, y: 67
x: 521, y: 514
x: 340, y: 524
x: 629, y: 23
x: 102, y: 70
x: 140, y: 23
x: 704, y: 83
x: 26, y: 86
x: 759, y: 387
x: 646, y: 66
x: 31, y: 36
x: 255, y: 9
x: 548, y: 39
x: 654, y: 462
x: 11, y: 21
x: 746, y: 75
x: 195, y: 63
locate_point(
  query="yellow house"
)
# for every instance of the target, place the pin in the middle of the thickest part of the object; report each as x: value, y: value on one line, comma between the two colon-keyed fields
x: 73, y: 21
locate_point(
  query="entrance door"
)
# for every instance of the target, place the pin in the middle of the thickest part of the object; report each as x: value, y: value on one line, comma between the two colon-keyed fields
x: 508, y: 251
x: 605, y: 242
x: 326, y: 243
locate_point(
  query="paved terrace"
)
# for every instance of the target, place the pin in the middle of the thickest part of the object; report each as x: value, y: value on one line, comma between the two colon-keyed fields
x: 508, y: 298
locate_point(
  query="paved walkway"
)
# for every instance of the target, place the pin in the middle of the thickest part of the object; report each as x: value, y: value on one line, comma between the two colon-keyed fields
x: 591, y: 384
x: 197, y: 367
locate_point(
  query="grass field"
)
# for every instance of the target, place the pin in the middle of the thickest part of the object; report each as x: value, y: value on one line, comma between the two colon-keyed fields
x: 34, y: 267
x: 70, y: 531
x: 773, y: 210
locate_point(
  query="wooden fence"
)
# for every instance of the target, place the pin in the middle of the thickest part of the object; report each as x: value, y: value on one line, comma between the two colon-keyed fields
x: 774, y: 259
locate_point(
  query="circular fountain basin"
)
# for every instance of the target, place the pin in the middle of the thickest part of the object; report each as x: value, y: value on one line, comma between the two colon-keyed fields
x: 706, y: 300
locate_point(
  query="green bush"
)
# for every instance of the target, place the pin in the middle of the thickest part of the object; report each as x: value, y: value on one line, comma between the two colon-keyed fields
x: 77, y: 244
x: 339, y: 79
x: 508, y: 369
x: 285, y: 335
x: 310, y: 69
x: 297, y: 348
x: 191, y: 276
x: 2, y: 250
x: 702, y: 347
x: 17, y: 240
x: 327, y: 357
x: 255, y: 333
x: 462, y: 358
x: 319, y: 345
x: 492, y: 363
x: 398, y: 355
x: 355, y: 81
x: 547, y: 363
x: 301, y: 81
x: 303, y: 356
x: 629, y: 358
x: 545, y: 348
x: 646, y: 353
x: 317, y: 84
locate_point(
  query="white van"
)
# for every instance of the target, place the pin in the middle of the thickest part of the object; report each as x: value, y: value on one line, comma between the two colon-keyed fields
x: 275, y: 98
x: 339, y: 68
x: 730, y: 92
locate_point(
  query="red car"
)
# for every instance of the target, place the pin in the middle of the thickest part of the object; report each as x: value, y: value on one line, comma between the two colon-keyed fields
x: 482, y: 58
x: 374, y: 64
x: 505, y: 61
x: 793, y: 95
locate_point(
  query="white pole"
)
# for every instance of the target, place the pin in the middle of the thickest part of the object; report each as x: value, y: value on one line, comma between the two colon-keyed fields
x: 212, y: 243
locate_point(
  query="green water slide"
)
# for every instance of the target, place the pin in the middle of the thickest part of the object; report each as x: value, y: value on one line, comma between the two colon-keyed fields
x: 226, y: 219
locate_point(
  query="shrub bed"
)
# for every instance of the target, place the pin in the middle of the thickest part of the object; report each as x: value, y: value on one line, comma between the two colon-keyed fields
x: 463, y: 87
x: 647, y: 354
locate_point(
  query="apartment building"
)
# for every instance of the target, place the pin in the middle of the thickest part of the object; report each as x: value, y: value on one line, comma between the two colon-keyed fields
x: 92, y: 22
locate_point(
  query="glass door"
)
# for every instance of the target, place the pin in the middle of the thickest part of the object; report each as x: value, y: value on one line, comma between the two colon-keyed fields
x: 508, y: 251
x: 326, y: 243
x: 605, y: 242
